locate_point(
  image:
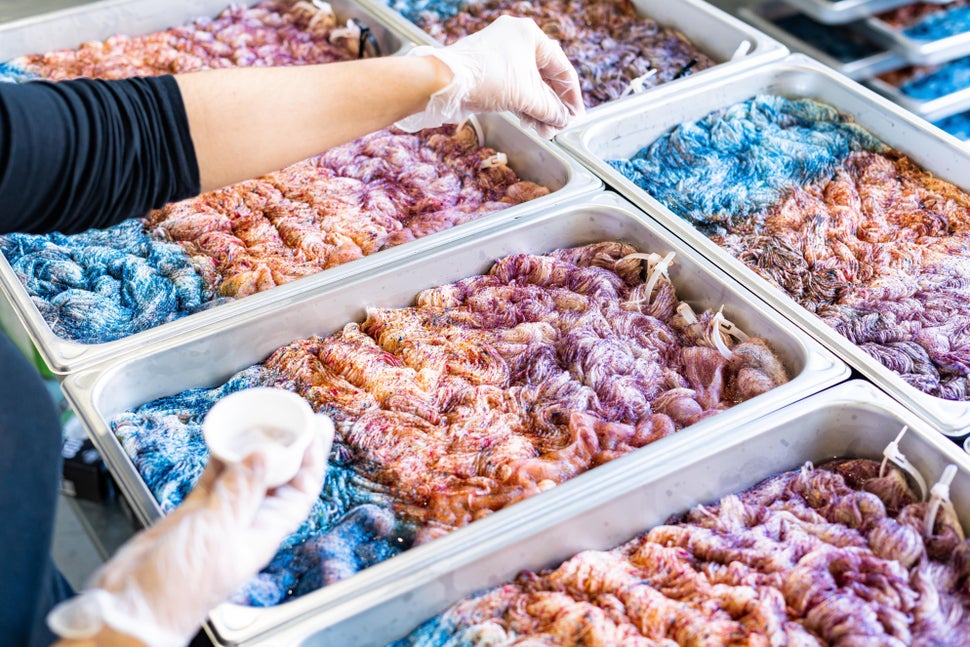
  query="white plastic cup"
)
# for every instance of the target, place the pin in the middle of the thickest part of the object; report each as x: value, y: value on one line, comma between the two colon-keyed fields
x: 277, y: 423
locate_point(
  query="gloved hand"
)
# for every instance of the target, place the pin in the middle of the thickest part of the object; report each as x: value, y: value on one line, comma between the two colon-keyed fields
x: 159, y: 587
x: 509, y: 65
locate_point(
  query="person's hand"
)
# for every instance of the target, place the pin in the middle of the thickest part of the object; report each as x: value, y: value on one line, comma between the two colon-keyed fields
x: 509, y: 65
x: 159, y: 587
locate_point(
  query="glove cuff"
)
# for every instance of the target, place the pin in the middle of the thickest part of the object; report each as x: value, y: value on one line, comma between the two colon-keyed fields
x: 445, y: 105
x: 87, y: 613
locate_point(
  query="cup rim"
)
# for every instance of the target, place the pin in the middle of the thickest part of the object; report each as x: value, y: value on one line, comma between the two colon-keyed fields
x: 289, y: 456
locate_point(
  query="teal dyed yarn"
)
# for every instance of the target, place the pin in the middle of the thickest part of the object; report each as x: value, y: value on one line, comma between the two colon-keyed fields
x: 739, y: 160
x: 102, y: 285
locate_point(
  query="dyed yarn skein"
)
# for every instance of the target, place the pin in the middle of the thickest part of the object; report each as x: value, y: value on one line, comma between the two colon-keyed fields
x: 488, y: 391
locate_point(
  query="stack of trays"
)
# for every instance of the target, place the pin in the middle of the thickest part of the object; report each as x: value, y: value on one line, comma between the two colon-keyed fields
x: 864, y: 40
x: 531, y: 157
x: 624, y: 132
x: 852, y: 420
x: 208, y: 355
x: 729, y: 42
x: 824, y: 36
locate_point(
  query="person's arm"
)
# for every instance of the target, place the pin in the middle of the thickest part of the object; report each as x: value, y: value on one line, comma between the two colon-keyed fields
x: 107, y: 637
x: 249, y: 121
x: 88, y: 153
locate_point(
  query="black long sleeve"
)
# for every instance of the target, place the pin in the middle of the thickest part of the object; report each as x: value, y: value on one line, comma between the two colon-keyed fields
x: 90, y: 153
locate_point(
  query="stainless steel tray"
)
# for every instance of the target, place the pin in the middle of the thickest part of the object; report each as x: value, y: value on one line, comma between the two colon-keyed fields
x: 624, y: 132
x: 833, y: 12
x: 854, y: 419
x: 930, y: 109
x: 533, y: 158
x: 918, y: 52
x: 715, y: 32
x: 763, y: 16
x: 208, y: 356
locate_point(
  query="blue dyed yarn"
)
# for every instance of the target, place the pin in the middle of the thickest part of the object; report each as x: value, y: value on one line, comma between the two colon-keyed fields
x: 945, y: 80
x: 841, y: 43
x: 10, y: 72
x: 350, y: 527
x: 741, y: 159
x: 105, y: 284
x: 164, y: 440
x: 332, y: 544
x: 957, y: 125
x: 441, y: 631
x: 412, y: 9
x: 365, y: 536
x: 941, y: 24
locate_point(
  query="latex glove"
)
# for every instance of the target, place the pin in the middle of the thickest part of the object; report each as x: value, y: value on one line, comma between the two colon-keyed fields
x: 161, y: 585
x: 509, y: 65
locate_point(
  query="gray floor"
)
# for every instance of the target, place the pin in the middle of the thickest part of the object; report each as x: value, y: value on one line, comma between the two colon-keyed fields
x: 74, y: 551
x: 86, y: 533
x: 79, y: 548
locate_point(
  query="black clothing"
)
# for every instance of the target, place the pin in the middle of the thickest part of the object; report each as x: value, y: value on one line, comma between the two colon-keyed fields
x: 30, y: 462
x: 90, y: 153
x: 74, y: 155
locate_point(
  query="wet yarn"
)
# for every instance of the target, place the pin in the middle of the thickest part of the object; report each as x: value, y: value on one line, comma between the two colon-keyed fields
x: 927, y: 83
x: 419, y: 11
x: 841, y: 43
x: 266, y: 34
x: 164, y: 439
x: 379, y: 191
x: 871, y: 243
x: 941, y: 24
x: 753, y: 152
x: 11, y: 73
x: 607, y: 42
x: 913, y: 13
x: 349, y: 527
x: 101, y: 285
x: 834, y: 555
x: 487, y: 391
x: 382, y: 190
x: 957, y: 125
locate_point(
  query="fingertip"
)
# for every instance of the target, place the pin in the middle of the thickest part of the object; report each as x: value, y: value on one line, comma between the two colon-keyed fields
x: 255, y: 462
x: 541, y: 129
